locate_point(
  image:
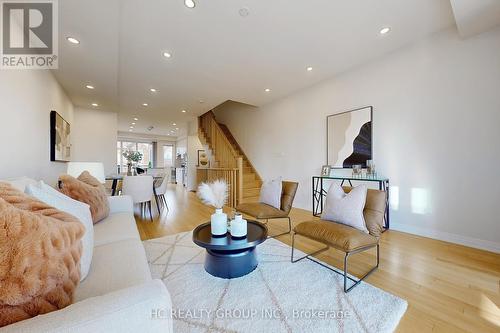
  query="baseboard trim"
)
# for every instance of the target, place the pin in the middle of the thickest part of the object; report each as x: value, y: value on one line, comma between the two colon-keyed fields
x: 448, y: 237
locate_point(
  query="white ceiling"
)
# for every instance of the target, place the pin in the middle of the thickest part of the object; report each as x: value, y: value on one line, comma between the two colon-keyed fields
x: 474, y: 17
x: 217, y: 55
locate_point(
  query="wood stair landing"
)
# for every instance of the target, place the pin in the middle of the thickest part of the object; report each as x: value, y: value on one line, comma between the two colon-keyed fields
x: 251, y: 179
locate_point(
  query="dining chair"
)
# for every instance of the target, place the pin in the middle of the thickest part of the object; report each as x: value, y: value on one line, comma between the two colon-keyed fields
x: 140, y: 188
x: 160, y: 190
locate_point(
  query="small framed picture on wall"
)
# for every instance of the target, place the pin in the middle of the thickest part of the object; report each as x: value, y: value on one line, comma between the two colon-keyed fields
x: 325, y: 170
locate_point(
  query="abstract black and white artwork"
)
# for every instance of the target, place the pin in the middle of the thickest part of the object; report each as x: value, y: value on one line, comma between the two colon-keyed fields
x: 349, y: 138
x: 60, y: 143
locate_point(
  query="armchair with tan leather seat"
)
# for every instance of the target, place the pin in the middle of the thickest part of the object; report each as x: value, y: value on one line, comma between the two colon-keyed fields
x: 266, y: 212
x: 346, y: 238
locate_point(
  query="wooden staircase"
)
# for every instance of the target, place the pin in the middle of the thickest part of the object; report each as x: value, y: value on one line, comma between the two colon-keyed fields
x: 251, y: 179
x: 228, y: 156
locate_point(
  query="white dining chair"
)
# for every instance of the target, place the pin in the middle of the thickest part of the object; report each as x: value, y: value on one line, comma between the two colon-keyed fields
x: 96, y: 169
x: 140, y: 188
x: 160, y: 191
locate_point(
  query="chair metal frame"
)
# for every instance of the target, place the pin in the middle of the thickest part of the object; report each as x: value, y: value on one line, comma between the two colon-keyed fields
x: 344, y: 273
x: 284, y: 233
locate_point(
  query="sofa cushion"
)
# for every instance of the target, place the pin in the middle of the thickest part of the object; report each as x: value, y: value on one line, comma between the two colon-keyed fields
x: 40, y: 249
x: 116, y: 227
x: 115, y: 266
x: 336, y: 235
x: 20, y: 183
x: 261, y: 210
x: 87, y: 189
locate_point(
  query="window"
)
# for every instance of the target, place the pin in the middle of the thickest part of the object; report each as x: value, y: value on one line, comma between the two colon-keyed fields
x: 146, y: 148
x: 168, y: 156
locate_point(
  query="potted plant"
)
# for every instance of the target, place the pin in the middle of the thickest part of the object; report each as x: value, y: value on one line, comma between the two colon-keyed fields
x: 132, y: 157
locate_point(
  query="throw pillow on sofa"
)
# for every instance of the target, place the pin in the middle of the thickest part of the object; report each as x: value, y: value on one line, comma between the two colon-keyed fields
x: 270, y: 193
x: 40, y: 250
x: 80, y: 210
x: 346, y: 208
x: 89, y: 190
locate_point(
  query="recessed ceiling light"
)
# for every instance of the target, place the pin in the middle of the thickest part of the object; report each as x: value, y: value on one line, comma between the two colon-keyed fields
x: 153, y: 90
x: 309, y: 68
x: 73, y: 40
x: 88, y: 86
x: 136, y: 119
x: 183, y: 111
x: 189, y: 3
x: 267, y: 90
x: 385, y: 30
x: 174, y: 124
x: 131, y: 127
x: 130, y: 130
x: 133, y: 123
x: 177, y: 128
x: 201, y: 101
x: 167, y: 54
x: 95, y: 104
x: 144, y: 104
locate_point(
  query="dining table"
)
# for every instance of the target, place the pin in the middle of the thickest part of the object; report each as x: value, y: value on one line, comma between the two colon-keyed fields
x: 115, y: 178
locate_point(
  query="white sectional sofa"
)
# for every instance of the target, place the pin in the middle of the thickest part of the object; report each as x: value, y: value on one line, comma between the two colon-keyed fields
x: 118, y: 294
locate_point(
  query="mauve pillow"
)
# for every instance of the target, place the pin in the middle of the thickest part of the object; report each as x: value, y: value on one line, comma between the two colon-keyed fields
x: 270, y: 193
x: 40, y: 250
x: 89, y: 190
x: 346, y: 208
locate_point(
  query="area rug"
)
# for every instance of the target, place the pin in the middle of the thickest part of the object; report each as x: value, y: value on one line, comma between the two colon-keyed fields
x: 277, y: 296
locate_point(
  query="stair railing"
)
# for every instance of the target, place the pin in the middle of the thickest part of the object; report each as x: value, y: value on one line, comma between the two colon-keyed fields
x: 229, y: 162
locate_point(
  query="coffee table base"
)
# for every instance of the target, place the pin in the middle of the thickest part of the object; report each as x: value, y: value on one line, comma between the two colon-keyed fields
x: 230, y: 264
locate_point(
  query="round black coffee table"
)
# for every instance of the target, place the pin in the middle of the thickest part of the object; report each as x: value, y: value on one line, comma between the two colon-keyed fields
x: 229, y: 257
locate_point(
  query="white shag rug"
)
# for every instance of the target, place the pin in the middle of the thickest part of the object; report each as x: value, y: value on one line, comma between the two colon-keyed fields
x: 277, y: 296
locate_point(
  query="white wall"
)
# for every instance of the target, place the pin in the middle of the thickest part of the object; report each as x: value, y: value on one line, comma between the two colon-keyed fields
x: 436, y: 134
x: 26, y: 99
x: 193, y: 145
x: 94, y: 137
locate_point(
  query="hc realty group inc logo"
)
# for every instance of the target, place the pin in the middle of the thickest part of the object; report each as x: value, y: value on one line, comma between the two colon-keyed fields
x: 29, y: 34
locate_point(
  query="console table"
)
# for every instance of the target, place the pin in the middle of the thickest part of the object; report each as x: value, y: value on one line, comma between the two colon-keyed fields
x: 319, y: 192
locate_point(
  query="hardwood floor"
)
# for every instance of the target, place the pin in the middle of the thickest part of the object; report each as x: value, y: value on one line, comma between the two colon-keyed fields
x: 449, y: 288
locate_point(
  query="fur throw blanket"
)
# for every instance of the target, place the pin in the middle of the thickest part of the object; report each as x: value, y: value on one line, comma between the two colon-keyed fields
x: 40, y: 250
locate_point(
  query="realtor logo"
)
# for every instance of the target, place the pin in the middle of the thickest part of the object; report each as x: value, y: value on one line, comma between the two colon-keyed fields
x: 29, y: 34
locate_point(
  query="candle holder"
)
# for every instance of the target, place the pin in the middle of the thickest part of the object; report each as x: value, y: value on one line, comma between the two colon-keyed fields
x: 238, y: 226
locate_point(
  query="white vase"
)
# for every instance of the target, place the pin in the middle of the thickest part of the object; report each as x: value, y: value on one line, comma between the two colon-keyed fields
x: 218, y: 223
x: 238, y: 226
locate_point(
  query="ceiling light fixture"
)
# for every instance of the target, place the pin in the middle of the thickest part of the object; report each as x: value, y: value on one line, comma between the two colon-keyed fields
x: 144, y: 104
x: 73, y: 40
x: 133, y: 123
x: 95, y: 104
x: 153, y: 90
x: 183, y: 111
x: 130, y: 130
x: 309, y: 68
x: 189, y: 3
x: 131, y: 127
x: 385, y: 30
x: 88, y: 86
x: 267, y: 90
x: 136, y: 119
x: 174, y: 124
x: 167, y: 55
x: 177, y: 128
